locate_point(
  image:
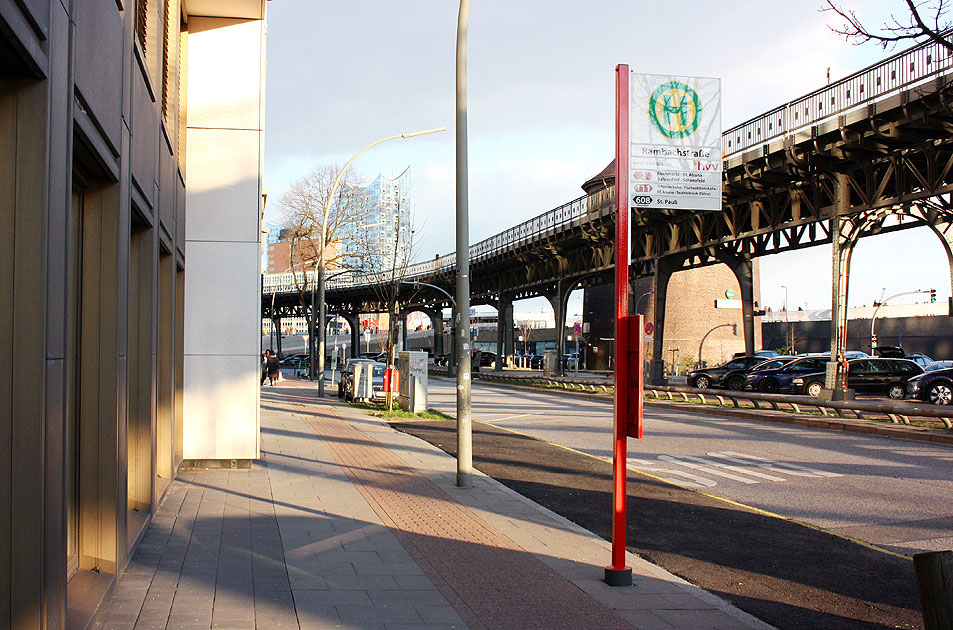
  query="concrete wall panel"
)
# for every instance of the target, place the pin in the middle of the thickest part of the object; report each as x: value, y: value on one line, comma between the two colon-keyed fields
x: 222, y: 303
x: 225, y: 78
x: 223, y: 196
x: 221, y: 403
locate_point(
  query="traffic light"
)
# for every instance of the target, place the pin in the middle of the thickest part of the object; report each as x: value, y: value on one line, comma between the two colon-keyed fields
x: 932, y: 295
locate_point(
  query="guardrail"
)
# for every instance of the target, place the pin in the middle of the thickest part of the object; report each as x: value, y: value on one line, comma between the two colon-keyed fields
x: 896, y: 412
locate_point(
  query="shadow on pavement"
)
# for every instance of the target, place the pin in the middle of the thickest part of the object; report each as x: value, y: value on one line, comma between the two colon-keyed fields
x: 787, y: 574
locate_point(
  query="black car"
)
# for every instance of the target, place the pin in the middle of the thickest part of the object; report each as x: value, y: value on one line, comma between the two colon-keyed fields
x: 935, y: 386
x: 719, y: 376
x: 735, y: 379
x: 487, y: 358
x: 886, y: 377
x: 780, y: 379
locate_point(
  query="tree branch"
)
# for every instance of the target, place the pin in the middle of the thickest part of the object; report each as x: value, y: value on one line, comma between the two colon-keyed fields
x: 890, y: 35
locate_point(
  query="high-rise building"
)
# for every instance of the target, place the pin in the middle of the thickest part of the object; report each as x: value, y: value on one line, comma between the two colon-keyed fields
x: 387, y: 241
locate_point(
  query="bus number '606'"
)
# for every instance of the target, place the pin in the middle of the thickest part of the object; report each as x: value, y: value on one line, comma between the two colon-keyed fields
x: 642, y: 200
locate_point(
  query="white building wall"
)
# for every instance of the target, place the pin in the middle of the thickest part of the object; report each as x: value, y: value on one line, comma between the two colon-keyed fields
x: 223, y: 238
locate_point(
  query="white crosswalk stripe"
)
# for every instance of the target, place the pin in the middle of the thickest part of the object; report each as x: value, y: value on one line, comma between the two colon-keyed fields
x: 717, y: 464
x: 708, y: 471
x: 791, y: 469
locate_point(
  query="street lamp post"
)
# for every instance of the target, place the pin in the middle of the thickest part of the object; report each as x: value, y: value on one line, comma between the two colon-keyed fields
x: 464, y: 428
x: 324, y: 238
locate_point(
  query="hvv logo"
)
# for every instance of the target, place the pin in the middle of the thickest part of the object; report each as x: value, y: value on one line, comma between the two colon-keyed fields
x: 698, y: 165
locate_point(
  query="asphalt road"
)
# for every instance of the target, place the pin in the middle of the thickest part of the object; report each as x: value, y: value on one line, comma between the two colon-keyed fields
x: 889, y: 492
x: 789, y: 575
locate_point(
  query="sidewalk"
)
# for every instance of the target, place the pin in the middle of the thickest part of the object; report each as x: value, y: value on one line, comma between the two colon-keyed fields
x: 346, y: 523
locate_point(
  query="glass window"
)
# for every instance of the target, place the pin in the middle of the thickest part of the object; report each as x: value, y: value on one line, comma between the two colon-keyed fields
x: 736, y: 365
x: 902, y: 367
x: 878, y: 366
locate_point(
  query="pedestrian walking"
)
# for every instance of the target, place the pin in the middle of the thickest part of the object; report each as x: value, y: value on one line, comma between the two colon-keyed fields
x: 274, y: 368
x: 264, y: 365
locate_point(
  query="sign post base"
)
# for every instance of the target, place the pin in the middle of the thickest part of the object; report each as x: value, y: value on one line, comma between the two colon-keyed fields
x: 616, y: 576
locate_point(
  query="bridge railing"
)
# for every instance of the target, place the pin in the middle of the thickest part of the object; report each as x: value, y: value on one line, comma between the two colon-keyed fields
x: 905, y: 69
x: 548, y: 222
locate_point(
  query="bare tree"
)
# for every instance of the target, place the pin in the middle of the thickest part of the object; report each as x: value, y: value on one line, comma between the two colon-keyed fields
x: 385, y: 257
x: 303, y: 207
x: 921, y: 20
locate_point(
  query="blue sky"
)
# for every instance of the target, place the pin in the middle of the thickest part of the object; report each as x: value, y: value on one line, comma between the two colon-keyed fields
x: 342, y: 74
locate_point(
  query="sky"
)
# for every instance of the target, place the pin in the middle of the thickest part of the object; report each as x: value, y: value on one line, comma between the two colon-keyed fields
x: 541, y: 108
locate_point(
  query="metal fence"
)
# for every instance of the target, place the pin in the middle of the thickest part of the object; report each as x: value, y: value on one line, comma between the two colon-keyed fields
x: 548, y: 223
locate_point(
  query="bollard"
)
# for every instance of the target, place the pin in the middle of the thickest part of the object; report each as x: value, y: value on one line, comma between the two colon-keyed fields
x: 934, y: 572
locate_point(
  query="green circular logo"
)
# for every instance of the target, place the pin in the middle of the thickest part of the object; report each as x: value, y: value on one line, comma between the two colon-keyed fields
x: 729, y: 293
x: 675, y: 109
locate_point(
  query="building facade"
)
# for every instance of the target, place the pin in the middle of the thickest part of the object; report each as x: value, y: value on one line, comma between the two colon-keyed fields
x: 130, y: 202
x: 386, y: 239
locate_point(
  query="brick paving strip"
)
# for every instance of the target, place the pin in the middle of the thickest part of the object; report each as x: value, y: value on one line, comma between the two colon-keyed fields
x: 490, y: 580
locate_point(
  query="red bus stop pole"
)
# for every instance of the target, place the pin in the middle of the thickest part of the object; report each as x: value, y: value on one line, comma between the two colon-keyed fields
x: 618, y: 574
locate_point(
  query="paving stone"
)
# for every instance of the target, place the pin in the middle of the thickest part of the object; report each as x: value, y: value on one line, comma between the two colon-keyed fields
x: 346, y: 523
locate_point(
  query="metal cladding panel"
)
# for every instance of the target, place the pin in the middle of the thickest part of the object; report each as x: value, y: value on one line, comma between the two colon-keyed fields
x: 98, y: 66
x: 145, y: 131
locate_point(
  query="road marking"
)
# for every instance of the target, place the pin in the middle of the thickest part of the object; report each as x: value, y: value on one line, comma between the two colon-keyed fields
x: 519, y: 415
x: 681, y: 461
x: 712, y: 467
x: 791, y: 469
x: 739, y: 469
x: 694, y: 481
x: 756, y: 510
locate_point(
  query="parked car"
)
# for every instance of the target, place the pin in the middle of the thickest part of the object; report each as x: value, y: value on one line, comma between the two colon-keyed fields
x: 874, y: 375
x: 292, y: 360
x: 704, y: 378
x: 570, y: 361
x: 919, y: 358
x: 937, y: 365
x: 896, y: 352
x: 850, y: 354
x: 934, y: 386
x: 487, y: 358
x: 778, y: 379
x: 766, y: 354
x: 735, y: 379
